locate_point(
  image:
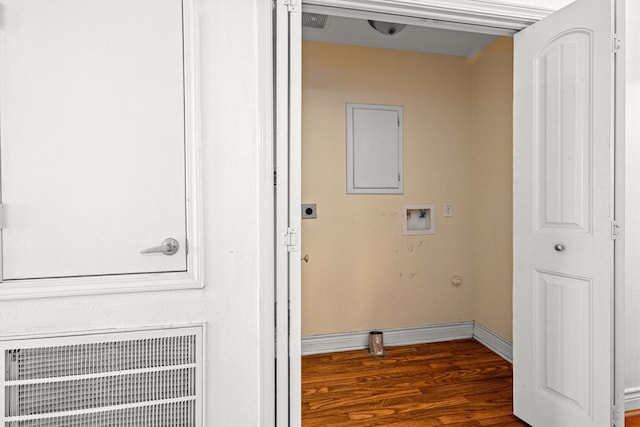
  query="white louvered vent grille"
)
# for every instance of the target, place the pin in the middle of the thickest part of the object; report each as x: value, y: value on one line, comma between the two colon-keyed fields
x: 149, y: 378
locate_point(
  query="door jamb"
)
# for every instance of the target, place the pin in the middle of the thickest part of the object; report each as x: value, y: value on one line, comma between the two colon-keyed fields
x: 619, y: 273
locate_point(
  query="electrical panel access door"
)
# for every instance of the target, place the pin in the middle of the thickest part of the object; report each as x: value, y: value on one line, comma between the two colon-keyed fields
x: 92, y: 137
x: 374, y: 149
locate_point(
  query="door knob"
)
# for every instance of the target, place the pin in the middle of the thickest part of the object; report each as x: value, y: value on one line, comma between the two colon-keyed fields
x: 305, y: 258
x: 168, y: 247
x: 559, y: 247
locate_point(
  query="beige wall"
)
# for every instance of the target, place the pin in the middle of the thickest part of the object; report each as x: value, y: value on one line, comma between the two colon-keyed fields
x: 363, y: 273
x: 492, y: 201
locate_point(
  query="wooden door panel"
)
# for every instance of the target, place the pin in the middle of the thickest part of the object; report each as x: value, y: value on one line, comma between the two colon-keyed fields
x: 563, y: 336
x: 562, y: 120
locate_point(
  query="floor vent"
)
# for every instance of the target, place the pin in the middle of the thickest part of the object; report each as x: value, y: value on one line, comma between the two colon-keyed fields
x: 141, y: 378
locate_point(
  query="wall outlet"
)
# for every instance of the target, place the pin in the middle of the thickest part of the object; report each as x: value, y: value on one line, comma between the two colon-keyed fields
x: 447, y: 209
x: 309, y: 211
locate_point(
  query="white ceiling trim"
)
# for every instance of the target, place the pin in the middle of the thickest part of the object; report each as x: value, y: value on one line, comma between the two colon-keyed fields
x: 491, y: 14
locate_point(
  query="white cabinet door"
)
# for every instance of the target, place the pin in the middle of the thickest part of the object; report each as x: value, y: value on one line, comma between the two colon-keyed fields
x: 563, y: 208
x: 92, y: 136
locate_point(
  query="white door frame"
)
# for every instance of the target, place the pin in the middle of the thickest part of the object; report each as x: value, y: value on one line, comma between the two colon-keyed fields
x: 622, y: 131
x: 287, y: 158
x: 287, y: 173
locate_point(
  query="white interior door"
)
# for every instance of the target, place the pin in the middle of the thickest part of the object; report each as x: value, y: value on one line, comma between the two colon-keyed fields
x: 92, y: 137
x: 563, y: 212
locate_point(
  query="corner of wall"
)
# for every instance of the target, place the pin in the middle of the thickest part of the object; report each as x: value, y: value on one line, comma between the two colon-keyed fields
x: 491, y: 124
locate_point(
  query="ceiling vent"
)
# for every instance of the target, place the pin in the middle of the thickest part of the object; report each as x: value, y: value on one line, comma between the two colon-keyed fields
x: 314, y: 20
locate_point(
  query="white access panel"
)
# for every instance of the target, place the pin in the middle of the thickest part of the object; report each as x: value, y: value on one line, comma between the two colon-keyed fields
x: 374, y: 149
x: 92, y: 136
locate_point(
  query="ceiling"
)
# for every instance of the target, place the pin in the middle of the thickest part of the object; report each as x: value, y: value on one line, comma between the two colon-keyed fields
x: 418, y: 38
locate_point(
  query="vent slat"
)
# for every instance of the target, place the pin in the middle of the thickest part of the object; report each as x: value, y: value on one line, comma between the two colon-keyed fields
x: 83, y: 359
x: 99, y: 392
x: 180, y: 413
x: 101, y: 375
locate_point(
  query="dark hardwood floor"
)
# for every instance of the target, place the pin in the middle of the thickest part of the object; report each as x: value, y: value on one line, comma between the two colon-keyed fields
x: 632, y: 418
x: 456, y: 383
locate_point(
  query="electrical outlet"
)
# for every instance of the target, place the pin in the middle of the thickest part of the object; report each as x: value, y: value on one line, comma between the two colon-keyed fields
x: 309, y: 211
x: 447, y: 209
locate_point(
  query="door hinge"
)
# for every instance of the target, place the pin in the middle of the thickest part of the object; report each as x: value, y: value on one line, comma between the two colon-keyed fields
x: 292, y: 5
x: 615, y: 413
x: 290, y: 239
x: 1, y: 216
x: 615, y: 43
x: 615, y: 230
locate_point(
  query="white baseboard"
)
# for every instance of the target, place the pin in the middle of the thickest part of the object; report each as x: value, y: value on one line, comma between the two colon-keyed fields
x: 493, y: 341
x: 332, y: 343
x: 632, y: 398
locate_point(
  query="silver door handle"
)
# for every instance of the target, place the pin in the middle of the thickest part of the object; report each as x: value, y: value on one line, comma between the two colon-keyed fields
x: 559, y: 247
x: 168, y: 247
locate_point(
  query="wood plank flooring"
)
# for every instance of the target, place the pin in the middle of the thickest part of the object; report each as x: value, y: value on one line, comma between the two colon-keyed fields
x: 632, y: 418
x: 456, y: 383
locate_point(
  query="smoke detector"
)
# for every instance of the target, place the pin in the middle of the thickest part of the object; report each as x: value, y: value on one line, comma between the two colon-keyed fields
x: 387, y: 28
